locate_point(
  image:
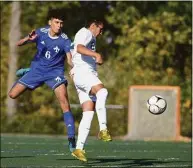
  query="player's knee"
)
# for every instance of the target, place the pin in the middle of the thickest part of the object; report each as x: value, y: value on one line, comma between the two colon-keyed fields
x: 11, y: 95
x: 102, y: 93
x: 101, y: 99
x: 64, y: 105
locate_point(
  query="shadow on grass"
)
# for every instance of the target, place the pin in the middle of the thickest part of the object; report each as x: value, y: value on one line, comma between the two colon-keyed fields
x: 128, y: 162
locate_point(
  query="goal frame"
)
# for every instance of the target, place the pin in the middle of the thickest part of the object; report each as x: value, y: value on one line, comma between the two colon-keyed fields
x: 151, y: 87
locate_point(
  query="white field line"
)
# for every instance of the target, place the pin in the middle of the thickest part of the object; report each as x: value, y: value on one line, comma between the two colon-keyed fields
x: 145, y: 151
x: 114, y: 151
x: 171, y: 166
x: 165, y: 166
x: 24, y: 143
x: 50, y: 166
x: 127, y: 151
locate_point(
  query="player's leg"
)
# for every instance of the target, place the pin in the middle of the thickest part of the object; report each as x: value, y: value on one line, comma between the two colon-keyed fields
x: 16, y: 90
x: 30, y: 80
x: 62, y: 96
x: 101, y: 96
x: 85, y: 124
x: 90, y: 83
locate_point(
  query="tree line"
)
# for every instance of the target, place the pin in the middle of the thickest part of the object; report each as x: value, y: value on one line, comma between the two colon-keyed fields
x: 144, y: 43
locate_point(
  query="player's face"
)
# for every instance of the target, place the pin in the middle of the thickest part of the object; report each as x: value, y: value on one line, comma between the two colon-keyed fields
x: 56, y: 25
x: 98, y: 29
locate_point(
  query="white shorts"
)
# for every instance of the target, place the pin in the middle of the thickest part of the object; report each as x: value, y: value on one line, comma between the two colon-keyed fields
x: 83, y: 96
x: 84, y: 81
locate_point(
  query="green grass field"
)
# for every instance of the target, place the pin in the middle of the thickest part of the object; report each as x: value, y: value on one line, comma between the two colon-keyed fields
x: 52, y: 151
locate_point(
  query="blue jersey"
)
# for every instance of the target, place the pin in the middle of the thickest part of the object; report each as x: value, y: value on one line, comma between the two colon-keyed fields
x: 48, y: 64
x: 51, y: 51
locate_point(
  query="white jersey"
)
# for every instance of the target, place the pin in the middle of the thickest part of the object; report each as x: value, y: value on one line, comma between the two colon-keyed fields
x: 80, y: 61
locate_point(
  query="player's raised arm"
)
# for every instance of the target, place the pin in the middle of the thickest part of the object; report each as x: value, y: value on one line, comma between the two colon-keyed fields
x: 85, y: 51
x: 32, y: 36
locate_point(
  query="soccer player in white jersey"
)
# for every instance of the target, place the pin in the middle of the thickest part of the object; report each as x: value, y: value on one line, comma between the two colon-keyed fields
x: 91, y: 91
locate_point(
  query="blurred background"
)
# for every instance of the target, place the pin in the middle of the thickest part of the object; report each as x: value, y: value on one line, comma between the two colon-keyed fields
x: 144, y: 43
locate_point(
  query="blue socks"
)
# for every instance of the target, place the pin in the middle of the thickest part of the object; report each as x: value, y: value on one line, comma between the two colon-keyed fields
x: 69, y: 122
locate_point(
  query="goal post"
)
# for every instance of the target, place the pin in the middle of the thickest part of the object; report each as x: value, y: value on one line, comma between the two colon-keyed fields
x: 142, y: 125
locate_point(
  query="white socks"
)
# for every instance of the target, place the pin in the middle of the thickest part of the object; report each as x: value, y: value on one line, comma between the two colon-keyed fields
x: 100, y: 108
x: 84, y: 128
x: 87, y: 116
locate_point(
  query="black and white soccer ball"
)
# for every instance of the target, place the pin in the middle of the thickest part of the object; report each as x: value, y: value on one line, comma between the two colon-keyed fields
x: 156, y: 104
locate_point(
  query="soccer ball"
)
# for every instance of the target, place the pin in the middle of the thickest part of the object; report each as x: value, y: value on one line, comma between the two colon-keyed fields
x: 156, y: 104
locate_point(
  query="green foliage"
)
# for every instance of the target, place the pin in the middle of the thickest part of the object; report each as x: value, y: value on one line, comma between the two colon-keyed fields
x: 146, y: 43
x: 5, y: 14
x: 35, y: 123
x: 153, y: 50
x: 47, y: 121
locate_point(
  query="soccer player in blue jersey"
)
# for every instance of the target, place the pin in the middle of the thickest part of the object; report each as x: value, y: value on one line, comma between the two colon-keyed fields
x: 48, y: 67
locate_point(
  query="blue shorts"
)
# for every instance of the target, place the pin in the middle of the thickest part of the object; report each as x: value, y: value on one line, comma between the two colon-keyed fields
x: 35, y: 78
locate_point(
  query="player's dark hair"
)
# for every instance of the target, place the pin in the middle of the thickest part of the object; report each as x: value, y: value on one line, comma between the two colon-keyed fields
x: 96, y: 21
x: 55, y: 13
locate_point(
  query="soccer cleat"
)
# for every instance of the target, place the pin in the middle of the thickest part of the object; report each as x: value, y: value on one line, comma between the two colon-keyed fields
x: 72, y: 144
x: 79, y: 154
x: 104, y: 135
x: 22, y: 72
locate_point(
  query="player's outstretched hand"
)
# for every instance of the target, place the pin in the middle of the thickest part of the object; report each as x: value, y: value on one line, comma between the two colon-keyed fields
x: 99, y: 59
x: 32, y: 35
